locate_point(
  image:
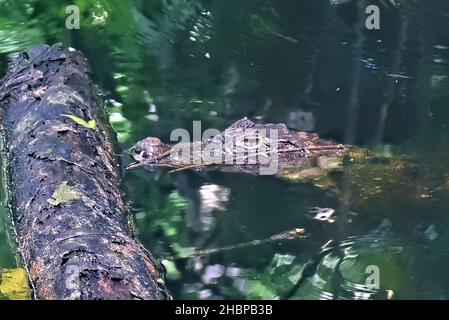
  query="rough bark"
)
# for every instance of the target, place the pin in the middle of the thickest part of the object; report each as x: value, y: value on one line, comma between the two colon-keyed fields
x: 70, y: 217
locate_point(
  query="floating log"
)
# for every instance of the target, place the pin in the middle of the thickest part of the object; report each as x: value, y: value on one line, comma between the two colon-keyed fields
x: 72, y: 225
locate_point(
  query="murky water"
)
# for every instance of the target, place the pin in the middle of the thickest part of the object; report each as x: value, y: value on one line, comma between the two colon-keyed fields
x: 310, y: 64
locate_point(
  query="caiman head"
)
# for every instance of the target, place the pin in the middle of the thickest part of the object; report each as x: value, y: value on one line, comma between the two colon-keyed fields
x: 149, y: 149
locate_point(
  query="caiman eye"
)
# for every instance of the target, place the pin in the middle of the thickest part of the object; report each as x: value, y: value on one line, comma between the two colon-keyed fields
x: 138, y: 149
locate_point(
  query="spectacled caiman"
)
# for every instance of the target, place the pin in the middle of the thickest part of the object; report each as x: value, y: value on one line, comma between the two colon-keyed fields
x: 301, y: 156
x: 243, y: 147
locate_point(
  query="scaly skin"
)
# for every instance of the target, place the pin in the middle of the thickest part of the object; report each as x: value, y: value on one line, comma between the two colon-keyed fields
x: 292, y: 148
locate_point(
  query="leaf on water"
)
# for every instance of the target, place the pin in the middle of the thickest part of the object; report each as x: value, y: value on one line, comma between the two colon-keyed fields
x: 282, y: 260
x: 14, y: 284
x: 91, y: 124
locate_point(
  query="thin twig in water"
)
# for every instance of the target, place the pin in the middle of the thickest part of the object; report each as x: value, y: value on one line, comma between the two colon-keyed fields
x: 190, y: 166
x: 286, y: 235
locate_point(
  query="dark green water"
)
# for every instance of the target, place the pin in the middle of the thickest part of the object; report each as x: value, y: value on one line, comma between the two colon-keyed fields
x: 311, y: 64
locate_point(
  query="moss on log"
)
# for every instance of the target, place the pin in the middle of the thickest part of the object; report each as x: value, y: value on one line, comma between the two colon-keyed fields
x: 69, y: 214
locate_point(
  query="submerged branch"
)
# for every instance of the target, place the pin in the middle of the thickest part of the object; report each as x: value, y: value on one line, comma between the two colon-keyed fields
x: 297, y: 233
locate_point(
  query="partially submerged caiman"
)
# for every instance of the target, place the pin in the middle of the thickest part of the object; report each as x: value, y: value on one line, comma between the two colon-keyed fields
x: 301, y: 156
x: 267, y: 149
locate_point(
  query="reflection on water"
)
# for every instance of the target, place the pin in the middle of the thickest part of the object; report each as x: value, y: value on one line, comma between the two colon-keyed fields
x: 311, y: 65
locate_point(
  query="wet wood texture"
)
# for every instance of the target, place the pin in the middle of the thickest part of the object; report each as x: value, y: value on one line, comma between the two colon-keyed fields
x: 72, y: 224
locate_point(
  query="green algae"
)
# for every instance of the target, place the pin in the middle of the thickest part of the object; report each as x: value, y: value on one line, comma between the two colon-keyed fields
x: 64, y: 193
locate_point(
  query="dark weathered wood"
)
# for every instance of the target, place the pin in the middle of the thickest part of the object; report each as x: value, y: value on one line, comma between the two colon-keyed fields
x: 72, y: 223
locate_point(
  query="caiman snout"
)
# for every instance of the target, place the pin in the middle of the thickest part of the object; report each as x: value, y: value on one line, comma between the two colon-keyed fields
x: 149, y: 148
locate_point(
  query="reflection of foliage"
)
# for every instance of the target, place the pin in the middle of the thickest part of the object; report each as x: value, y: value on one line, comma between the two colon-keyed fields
x: 16, y: 36
x: 335, y: 276
x: 276, y: 279
x: 345, y: 275
x: 119, y: 123
x: 6, y: 256
x: 184, y: 45
x: 264, y: 28
x: 393, y: 273
x: 167, y: 216
x: 170, y: 219
x: 13, y: 39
